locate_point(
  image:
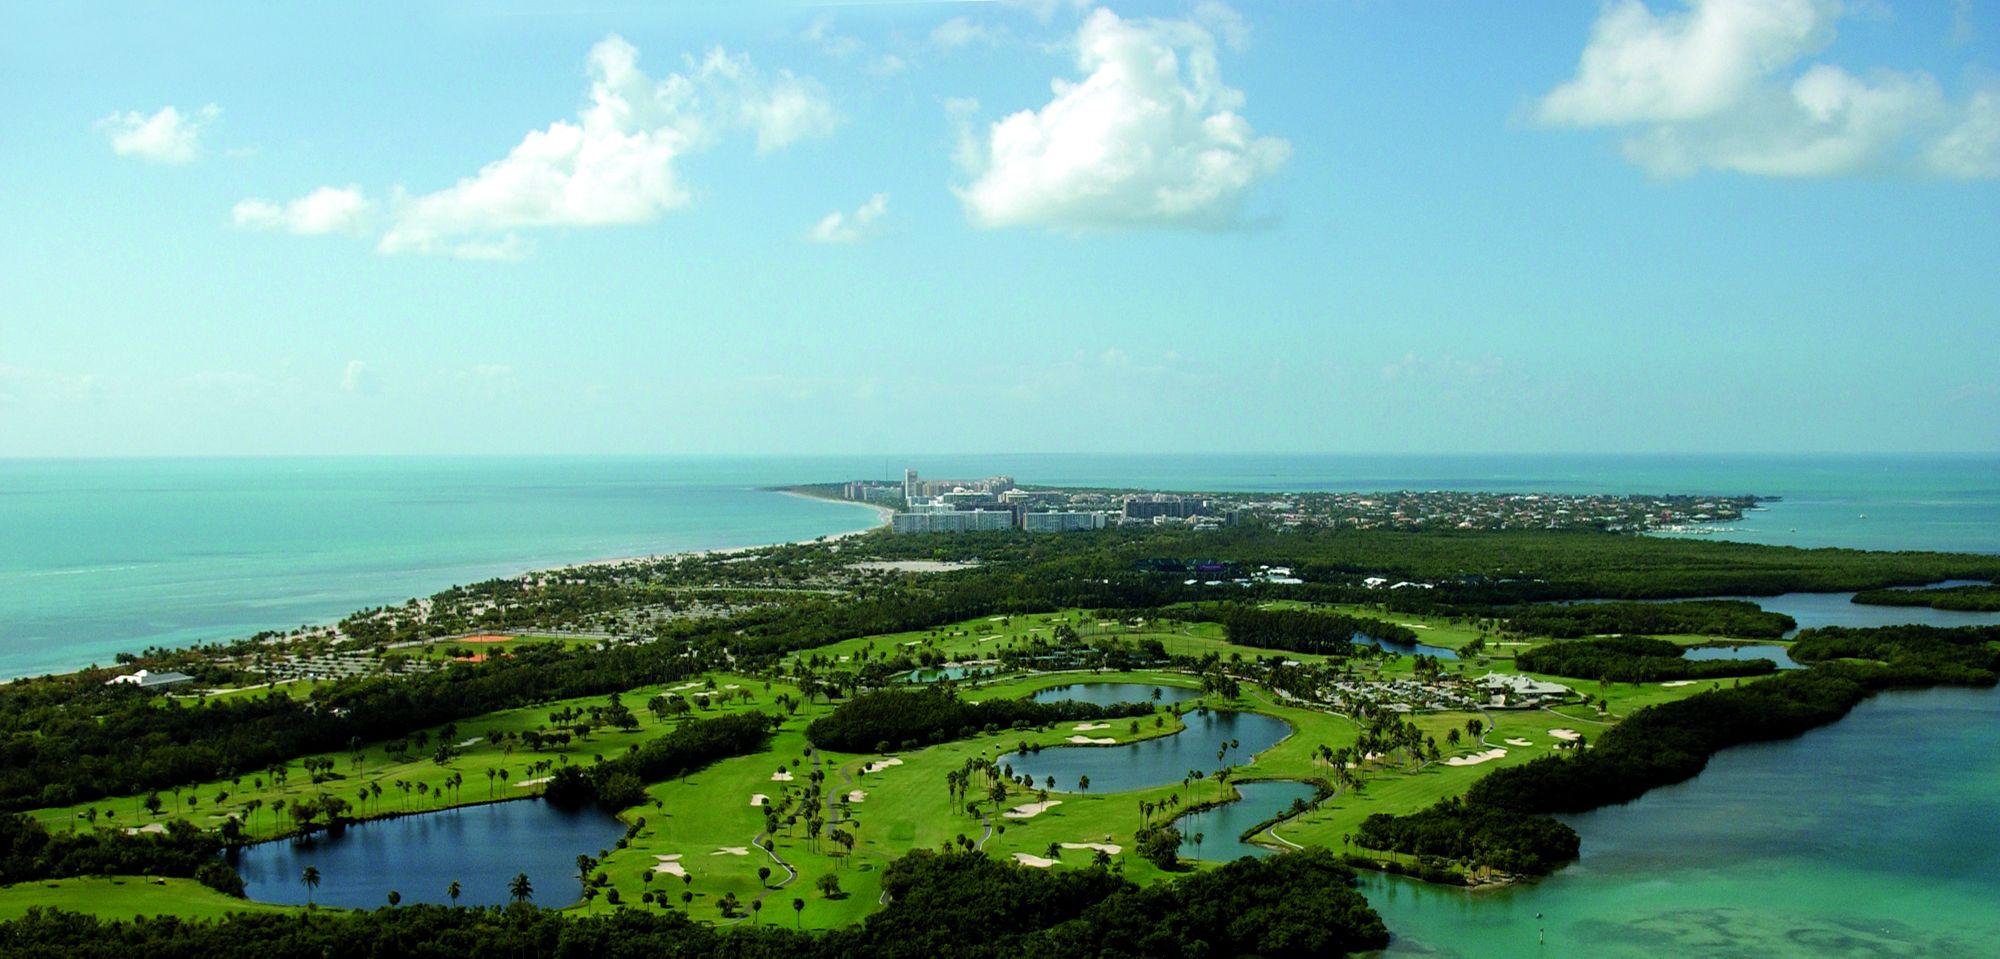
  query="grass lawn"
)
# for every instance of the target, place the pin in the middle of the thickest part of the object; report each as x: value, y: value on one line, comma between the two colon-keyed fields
x: 123, y: 897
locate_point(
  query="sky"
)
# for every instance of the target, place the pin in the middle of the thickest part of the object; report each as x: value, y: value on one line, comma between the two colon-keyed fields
x: 1344, y: 226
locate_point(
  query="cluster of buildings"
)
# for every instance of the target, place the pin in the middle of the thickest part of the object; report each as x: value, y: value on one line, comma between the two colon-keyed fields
x: 996, y: 503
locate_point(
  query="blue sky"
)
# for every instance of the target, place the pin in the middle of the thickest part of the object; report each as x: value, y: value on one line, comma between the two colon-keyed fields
x: 1763, y: 225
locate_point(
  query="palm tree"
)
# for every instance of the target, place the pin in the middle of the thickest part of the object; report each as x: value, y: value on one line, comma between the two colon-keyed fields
x: 453, y: 890
x: 798, y: 912
x: 311, y: 878
x: 520, y: 888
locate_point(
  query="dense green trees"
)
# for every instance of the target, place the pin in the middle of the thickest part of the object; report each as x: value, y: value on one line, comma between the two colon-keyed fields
x: 908, y: 718
x: 1299, y: 630
x: 942, y: 906
x: 1495, y: 838
x: 1714, y: 617
x: 1632, y: 659
x: 1972, y: 599
x: 28, y: 851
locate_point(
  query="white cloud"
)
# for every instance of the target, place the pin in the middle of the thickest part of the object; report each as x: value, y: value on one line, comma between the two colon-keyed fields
x: 1641, y: 67
x: 1720, y: 85
x: 1971, y: 150
x: 616, y: 163
x: 325, y: 210
x: 358, y: 378
x: 1149, y: 137
x: 831, y: 42
x: 962, y: 31
x: 844, y: 227
x: 20, y: 385
x: 164, y: 137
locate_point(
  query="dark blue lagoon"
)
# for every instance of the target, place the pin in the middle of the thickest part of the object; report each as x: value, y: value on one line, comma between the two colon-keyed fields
x: 1221, y: 827
x: 1104, y: 694
x: 1155, y: 762
x: 481, y: 848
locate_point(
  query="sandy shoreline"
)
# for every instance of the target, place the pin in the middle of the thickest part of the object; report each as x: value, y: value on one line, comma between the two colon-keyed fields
x: 882, y: 514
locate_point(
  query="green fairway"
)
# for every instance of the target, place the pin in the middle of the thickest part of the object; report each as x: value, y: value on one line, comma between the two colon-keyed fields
x: 123, y: 897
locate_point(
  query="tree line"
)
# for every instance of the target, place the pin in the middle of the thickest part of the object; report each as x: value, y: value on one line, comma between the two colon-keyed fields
x: 1715, y: 617
x: 1632, y: 659
x: 889, y: 719
x: 962, y: 905
x: 1969, y: 599
x: 1297, y: 630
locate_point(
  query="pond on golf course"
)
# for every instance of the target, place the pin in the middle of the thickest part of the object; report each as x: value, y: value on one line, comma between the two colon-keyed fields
x: 480, y: 847
x: 1221, y: 827
x: 1152, y: 762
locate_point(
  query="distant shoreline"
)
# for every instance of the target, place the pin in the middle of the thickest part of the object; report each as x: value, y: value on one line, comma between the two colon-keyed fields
x: 882, y: 514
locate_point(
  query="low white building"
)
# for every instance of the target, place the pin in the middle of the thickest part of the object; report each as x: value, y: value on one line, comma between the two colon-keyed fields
x: 147, y: 679
x: 1505, y: 690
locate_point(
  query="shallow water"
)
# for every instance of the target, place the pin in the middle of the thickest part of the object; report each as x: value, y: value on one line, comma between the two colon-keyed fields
x: 1871, y: 838
x: 420, y: 856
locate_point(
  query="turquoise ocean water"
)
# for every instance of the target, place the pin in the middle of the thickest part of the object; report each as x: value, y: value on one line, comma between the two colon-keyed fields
x: 99, y: 556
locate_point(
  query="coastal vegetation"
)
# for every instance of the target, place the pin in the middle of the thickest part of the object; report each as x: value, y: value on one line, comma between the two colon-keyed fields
x: 1969, y: 599
x: 1632, y: 659
x: 1735, y: 618
x: 1672, y: 742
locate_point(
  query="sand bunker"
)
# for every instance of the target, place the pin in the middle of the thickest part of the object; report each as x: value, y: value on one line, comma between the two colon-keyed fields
x: 1036, y: 861
x: 1087, y: 727
x: 782, y: 776
x: 525, y: 783
x: 1476, y: 758
x: 1031, y: 810
x: 1108, y: 848
x: 732, y: 851
x: 758, y: 799
x: 1678, y: 682
x: 881, y: 764
x: 857, y: 795
x: 488, y: 638
x: 1093, y: 741
x: 149, y: 827
x: 671, y: 865
x: 1566, y: 735
x: 1519, y: 742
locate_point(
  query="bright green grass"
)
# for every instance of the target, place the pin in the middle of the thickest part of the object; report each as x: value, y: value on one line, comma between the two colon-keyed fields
x: 123, y: 897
